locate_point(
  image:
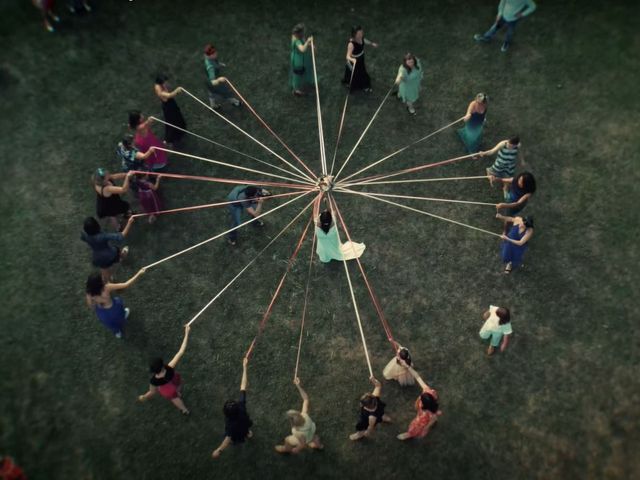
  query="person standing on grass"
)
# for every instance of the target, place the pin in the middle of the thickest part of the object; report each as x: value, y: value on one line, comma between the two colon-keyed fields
x: 505, y: 163
x: 130, y: 157
x: 398, y: 367
x: 427, y: 411
x: 104, y: 255
x: 355, y: 62
x: 46, y: 9
x: 303, y: 429
x: 217, y: 86
x: 145, y: 140
x: 108, y: 202
x: 165, y: 380
x: 509, y: 14
x: 515, y: 242
x: 496, y: 328
x: 237, y: 424
x: 471, y: 133
x: 301, y: 69
x: 110, y: 311
x: 517, y: 191
x: 328, y: 245
x: 170, y: 110
x: 251, y: 198
x: 409, y: 78
x: 148, y: 195
x: 371, y: 412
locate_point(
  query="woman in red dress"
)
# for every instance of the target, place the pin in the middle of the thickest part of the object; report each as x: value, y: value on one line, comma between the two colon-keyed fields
x: 165, y: 380
x: 144, y: 139
x: 427, y: 411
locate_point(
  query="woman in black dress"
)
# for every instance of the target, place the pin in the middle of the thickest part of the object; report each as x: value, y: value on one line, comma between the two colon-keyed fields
x: 356, y: 66
x: 108, y: 202
x: 170, y: 110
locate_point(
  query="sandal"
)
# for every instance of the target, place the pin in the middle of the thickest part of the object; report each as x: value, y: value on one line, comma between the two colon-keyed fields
x: 508, y: 268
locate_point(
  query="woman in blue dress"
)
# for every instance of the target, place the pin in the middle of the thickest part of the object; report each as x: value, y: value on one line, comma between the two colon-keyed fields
x: 515, y: 242
x: 110, y: 311
x: 517, y: 192
x: 471, y: 133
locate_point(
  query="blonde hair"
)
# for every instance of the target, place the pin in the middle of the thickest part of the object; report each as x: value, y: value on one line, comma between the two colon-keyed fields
x: 296, y: 418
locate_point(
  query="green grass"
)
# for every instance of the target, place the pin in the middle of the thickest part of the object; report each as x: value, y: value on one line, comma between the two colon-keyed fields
x: 563, y: 402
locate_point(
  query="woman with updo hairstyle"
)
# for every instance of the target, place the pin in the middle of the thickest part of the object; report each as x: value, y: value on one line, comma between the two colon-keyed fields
x: 170, y: 110
x: 328, y: 246
x: 355, y: 72
x: 144, y: 139
x: 471, y: 133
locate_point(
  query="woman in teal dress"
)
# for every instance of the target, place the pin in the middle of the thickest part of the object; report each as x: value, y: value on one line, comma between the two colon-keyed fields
x: 301, y: 70
x: 408, y: 80
x: 471, y: 133
x: 328, y: 246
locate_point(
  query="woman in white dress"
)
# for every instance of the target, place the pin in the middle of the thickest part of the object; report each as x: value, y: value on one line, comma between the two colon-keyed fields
x: 328, y: 246
x: 398, y: 367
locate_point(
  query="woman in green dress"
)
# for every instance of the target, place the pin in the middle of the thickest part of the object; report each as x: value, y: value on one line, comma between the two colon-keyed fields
x: 408, y: 80
x: 328, y: 246
x: 471, y: 133
x: 301, y: 70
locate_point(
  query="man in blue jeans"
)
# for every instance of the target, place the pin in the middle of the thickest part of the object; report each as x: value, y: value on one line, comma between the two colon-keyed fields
x: 509, y: 13
x: 252, y: 197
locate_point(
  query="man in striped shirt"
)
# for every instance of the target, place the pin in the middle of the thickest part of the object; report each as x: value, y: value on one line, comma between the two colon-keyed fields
x: 509, y: 13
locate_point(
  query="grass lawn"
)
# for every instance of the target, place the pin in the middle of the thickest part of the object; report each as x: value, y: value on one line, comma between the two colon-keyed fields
x: 563, y: 402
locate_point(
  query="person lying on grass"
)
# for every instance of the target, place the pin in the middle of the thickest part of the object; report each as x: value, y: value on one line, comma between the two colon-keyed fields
x: 303, y: 429
x: 371, y: 412
x: 165, y: 380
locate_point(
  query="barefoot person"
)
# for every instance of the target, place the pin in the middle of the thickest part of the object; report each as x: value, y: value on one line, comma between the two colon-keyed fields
x: 427, y: 411
x: 303, y: 429
x: 237, y: 424
x: 170, y: 110
x: 165, y: 380
x: 496, y: 328
x: 371, y: 412
x: 110, y: 311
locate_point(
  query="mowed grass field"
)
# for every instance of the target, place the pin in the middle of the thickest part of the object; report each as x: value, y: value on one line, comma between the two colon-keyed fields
x: 562, y: 403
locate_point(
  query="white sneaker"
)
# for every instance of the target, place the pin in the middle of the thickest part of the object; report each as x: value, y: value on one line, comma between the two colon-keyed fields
x: 119, y: 334
x: 127, y: 311
x: 235, y: 102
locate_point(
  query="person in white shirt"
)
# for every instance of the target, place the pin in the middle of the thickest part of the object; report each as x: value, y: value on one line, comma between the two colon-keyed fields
x: 497, y: 327
x: 509, y: 13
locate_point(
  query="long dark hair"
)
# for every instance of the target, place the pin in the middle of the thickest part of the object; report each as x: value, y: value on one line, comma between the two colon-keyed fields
x: 325, y: 221
x: 407, y: 57
x: 95, y: 284
x: 404, y: 354
x: 298, y: 30
x: 429, y: 402
x: 161, y: 79
x: 528, y: 182
x: 355, y: 29
x: 135, y: 117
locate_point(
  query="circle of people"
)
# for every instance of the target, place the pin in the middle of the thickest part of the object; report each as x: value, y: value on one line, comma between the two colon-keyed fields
x: 137, y: 152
